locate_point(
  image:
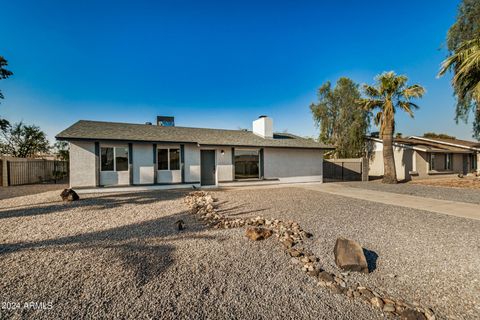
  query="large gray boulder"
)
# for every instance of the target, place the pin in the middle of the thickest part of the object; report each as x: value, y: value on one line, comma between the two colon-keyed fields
x: 349, y: 256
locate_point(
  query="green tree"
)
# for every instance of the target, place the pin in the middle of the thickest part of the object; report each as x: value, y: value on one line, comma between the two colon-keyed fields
x: 4, y: 74
x: 463, y: 41
x: 466, y: 26
x: 62, y: 150
x: 465, y: 64
x: 434, y: 135
x: 342, y: 123
x: 390, y: 92
x: 23, y: 141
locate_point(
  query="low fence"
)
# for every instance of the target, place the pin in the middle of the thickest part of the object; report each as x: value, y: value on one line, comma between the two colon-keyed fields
x: 21, y: 171
x: 355, y: 169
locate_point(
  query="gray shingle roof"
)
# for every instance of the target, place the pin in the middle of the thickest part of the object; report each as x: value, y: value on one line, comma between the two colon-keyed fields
x: 97, y: 130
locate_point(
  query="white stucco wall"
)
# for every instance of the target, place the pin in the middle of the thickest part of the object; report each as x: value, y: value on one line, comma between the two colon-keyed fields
x: 293, y: 165
x: 143, y: 166
x: 286, y: 164
x: 82, y: 164
x: 169, y: 176
x: 192, y: 163
x: 224, y: 164
x: 112, y: 178
x: 404, y: 161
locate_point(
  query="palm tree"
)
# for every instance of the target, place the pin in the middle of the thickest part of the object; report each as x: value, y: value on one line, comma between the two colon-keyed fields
x: 465, y: 64
x: 389, y: 93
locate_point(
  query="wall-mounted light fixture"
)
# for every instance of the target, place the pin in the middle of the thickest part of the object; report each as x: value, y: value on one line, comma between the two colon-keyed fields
x: 222, y: 152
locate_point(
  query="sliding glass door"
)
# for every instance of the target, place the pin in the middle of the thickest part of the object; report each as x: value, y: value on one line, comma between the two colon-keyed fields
x: 246, y: 164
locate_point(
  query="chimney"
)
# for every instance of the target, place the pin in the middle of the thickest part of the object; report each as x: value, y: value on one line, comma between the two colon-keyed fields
x: 165, y: 121
x: 263, y: 127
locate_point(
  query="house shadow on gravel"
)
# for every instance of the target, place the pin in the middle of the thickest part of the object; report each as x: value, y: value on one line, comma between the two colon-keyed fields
x: 108, y: 201
x: 145, y: 249
x: 371, y: 257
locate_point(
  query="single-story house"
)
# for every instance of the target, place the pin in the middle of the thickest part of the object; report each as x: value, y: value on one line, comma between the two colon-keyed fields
x: 420, y: 157
x: 113, y: 154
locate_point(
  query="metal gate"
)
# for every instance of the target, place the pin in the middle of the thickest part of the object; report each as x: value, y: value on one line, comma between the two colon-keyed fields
x: 342, y: 170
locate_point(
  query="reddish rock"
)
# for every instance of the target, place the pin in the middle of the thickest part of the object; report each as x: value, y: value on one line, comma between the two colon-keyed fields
x: 410, y: 314
x: 349, y: 256
x: 256, y: 234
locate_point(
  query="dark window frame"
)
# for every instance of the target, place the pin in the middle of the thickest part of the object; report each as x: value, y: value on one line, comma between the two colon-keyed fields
x: 448, y: 161
x: 473, y: 161
x: 431, y: 162
x: 114, y: 159
x: 124, y: 163
x: 108, y: 162
x: 169, y: 160
x: 162, y: 161
x: 247, y: 164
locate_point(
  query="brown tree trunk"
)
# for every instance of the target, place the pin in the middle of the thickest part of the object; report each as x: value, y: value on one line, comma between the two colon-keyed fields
x: 389, y: 172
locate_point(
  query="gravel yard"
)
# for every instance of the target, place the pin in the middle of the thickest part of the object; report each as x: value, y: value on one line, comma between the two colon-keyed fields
x: 468, y: 182
x: 118, y: 255
x: 18, y: 191
x: 427, y: 191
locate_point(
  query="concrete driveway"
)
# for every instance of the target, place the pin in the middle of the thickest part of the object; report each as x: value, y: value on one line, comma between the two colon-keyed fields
x: 454, y: 208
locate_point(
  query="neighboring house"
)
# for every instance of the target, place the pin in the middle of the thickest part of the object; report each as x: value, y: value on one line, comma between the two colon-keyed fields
x: 107, y: 153
x: 418, y: 157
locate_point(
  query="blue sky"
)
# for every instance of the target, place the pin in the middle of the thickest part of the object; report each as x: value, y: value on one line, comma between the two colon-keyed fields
x: 216, y: 64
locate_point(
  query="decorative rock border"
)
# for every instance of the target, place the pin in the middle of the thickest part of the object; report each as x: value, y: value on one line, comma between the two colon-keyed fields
x: 292, y: 236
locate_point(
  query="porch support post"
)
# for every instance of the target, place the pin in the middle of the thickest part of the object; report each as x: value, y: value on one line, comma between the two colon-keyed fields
x: 182, y: 162
x: 97, y: 163
x: 4, y: 171
x: 262, y: 174
x: 478, y: 161
x: 130, y: 163
x: 155, y: 163
x: 233, y: 164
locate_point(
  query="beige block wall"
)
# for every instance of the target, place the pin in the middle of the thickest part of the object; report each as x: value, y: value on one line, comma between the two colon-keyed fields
x: 421, y: 162
x: 403, y: 164
x: 375, y: 164
x: 82, y: 164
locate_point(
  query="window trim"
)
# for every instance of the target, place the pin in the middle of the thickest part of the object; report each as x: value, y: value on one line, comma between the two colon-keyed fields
x: 431, y: 162
x: 473, y: 161
x: 448, y: 161
x: 168, y: 158
x: 258, y: 162
x: 114, y: 158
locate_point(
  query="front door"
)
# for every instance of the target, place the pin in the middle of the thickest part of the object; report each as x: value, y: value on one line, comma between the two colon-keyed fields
x: 207, y: 161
